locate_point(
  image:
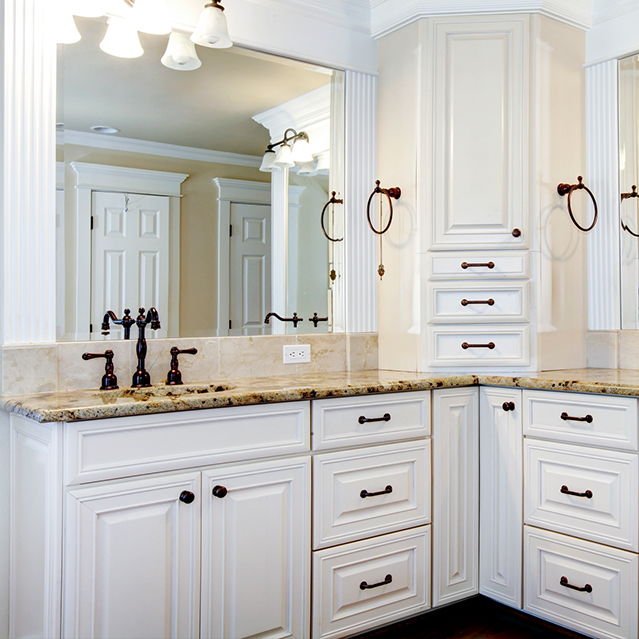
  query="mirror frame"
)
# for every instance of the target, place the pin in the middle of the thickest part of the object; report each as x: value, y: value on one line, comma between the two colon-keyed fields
x: 27, y: 290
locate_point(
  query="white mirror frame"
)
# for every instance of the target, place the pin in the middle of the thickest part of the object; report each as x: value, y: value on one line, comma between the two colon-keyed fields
x: 28, y: 242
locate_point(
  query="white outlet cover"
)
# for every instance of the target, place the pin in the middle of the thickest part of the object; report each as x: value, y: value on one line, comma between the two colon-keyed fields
x: 298, y: 354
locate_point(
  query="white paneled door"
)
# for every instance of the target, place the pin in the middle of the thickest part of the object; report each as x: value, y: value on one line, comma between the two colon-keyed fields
x: 130, y: 256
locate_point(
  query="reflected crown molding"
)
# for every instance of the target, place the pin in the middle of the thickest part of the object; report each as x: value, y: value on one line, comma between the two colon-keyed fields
x: 132, y: 145
x: 389, y: 15
x: 608, y: 9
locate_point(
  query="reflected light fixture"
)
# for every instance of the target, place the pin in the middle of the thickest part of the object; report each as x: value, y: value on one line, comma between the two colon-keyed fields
x: 180, y: 53
x: 308, y: 168
x: 268, y: 161
x: 287, y: 157
x: 121, y: 39
x: 151, y: 16
x: 211, y: 29
x: 88, y: 8
x: 66, y: 31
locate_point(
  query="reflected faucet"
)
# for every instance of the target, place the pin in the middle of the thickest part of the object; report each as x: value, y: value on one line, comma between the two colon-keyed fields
x: 141, y: 377
x: 295, y: 319
x: 127, y: 321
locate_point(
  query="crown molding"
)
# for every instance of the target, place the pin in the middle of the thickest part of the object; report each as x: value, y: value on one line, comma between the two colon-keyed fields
x: 609, y: 9
x: 389, y: 15
x: 130, y: 145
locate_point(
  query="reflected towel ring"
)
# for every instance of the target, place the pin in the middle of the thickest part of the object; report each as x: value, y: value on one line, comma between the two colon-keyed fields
x: 333, y: 200
x: 392, y: 193
x: 568, y: 189
x: 634, y: 193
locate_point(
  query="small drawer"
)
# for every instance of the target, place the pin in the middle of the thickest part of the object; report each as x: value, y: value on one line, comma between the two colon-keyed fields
x: 371, y: 419
x: 485, y: 302
x: 604, y: 508
x: 370, y: 583
x: 605, y: 604
x: 505, y: 265
x: 463, y: 345
x: 599, y: 420
x: 128, y: 446
x: 370, y: 492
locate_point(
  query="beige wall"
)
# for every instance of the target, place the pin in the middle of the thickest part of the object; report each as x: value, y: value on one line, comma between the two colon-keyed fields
x: 198, y: 230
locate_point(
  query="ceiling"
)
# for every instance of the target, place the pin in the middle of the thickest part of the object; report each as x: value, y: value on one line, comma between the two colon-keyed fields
x: 209, y: 108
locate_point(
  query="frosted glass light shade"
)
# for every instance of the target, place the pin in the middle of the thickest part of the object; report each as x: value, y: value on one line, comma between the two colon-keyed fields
x: 65, y: 30
x: 302, y: 152
x: 151, y: 16
x: 180, y: 54
x: 211, y: 30
x: 268, y: 162
x: 283, y: 157
x: 88, y: 8
x: 121, y: 39
x: 308, y: 168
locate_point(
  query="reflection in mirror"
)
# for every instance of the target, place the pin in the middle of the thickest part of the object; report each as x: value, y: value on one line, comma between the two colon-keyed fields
x: 629, y: 177
x: 172, y: 210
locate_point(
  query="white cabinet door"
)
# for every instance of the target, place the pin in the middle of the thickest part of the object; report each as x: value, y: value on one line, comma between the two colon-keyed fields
x: 501, y: 494
x: 256, y: 550
x: 132, y: 559
x: 455, y: 494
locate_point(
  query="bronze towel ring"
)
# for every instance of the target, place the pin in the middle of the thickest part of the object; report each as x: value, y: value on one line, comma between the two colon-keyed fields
x: 568, y: 189
x: 333, y: 200
x: 634, y: 193
x: 392, y: 193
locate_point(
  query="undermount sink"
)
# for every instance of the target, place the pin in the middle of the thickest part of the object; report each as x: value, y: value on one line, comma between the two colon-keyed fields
x: 145, y: 394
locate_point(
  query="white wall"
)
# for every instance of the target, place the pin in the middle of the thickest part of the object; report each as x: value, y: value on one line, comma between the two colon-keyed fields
x: 614, y: 37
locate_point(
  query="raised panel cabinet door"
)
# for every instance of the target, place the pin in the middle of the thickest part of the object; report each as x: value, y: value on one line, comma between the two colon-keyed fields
x: 480, y: 124
x: 132, y: 559
x: 256, y: 550
x: 455, y: 494
x: 501, y: 494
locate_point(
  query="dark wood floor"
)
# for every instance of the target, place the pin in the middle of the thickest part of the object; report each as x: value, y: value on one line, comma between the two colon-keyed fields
x: 476, y: 618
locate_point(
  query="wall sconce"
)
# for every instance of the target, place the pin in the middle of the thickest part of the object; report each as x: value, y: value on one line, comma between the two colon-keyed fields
x: 287, y: 157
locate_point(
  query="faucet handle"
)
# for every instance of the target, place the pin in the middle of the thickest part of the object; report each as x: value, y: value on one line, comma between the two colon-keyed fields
x: 109, y: 380
x: 174, y: 376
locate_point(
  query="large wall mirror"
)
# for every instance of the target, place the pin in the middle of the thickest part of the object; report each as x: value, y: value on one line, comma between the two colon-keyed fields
x: 172, y: 210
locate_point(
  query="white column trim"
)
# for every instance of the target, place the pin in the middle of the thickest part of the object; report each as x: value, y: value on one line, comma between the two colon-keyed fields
x: 360, y: 285
x: 604, y: 296
x: 279, y: 248
x: 28, y: 226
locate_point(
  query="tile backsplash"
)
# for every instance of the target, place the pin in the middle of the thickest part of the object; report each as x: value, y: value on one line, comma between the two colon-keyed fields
x: 48, y: 367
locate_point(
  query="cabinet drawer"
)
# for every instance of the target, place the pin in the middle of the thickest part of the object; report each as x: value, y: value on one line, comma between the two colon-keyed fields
x: 344, y: 508
x: 599, y: 420
x: 608, y: 610
x: 481, y: 302
x: 505, y: 265
x: 127, y: 446
x: 397, y: 566
x: 357, y: 421
x: 471, y: 345
x: 605, y: 508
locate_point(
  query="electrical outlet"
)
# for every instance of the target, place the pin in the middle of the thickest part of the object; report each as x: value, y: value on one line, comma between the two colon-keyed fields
x: 299, y: 354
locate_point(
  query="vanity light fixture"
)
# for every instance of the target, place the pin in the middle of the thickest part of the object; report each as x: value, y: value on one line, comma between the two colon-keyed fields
x: 88, y: 8
x: 287, y: 157
x: 121, y: 39
x: 180, y: 53
x: 211, y: 29
x: 308, y: 169
x: 151, y: 16
x: 268, y: 161
x: 65, y: 28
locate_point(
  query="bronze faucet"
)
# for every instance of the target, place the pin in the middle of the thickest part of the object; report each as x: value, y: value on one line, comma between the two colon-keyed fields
x: 295, y: 319
x: 141, y: 377
x: 127, y: 321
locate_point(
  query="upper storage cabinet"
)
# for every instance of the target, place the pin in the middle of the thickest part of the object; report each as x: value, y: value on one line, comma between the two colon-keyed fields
x: 480, y: 139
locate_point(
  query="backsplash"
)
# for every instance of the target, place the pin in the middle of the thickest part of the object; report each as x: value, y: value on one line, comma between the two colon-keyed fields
x: 49, y: 367
x: 613, y: 349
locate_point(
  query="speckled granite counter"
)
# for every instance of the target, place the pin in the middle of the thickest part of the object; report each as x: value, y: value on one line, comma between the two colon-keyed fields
x: 94, y: 404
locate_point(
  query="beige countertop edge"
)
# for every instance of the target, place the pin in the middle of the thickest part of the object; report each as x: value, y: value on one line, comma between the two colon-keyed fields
x: 92, y: 404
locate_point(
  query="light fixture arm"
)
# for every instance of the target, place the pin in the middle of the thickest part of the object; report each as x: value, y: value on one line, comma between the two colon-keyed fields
x: 302, y: 135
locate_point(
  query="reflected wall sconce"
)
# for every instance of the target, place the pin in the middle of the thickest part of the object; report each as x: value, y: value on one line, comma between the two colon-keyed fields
x: 568, y: 189
x: 146, y: 16
x: 287, y: 156
x: 332, y: 201
x: 394, y: 193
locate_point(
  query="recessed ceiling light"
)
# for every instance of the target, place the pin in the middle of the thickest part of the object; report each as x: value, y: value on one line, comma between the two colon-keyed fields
x: 100, y: 128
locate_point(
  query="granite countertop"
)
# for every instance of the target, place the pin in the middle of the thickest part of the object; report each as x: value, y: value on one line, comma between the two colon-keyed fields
x: 95, y: 404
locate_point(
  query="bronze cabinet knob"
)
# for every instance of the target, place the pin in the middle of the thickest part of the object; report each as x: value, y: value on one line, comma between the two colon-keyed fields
x: 220, y: 492
x: 187, y: 497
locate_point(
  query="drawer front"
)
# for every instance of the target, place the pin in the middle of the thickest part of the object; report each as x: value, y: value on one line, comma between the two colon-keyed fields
x: 608, y: 610
x: 482, y: 302
x: 370, y: 583
x: 357, y: 421
x: 506, y: 264
x: 370, y: 492
x: 128, y: 446
x: 599, y: 420
x: 605, y: 507
x: 471, y: 345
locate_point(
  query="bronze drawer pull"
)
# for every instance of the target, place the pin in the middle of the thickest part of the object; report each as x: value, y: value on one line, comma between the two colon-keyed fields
x: 465, y: 265
x: 587, y: 418
x: 565, y: 491
x: 508, y: 406
x: 490, y: 302
x: 365, y: 493
x: 388, y: 579
x: 466, y: 345
x: 385, y: 418
x: 564, y: 582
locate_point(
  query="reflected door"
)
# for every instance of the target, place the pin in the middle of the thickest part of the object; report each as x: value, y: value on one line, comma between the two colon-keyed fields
x: 249, y: 268
x: 130, y: 257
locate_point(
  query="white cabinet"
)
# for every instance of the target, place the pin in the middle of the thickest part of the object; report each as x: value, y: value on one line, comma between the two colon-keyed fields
x: 501, y: 498
x: 455, y: 494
